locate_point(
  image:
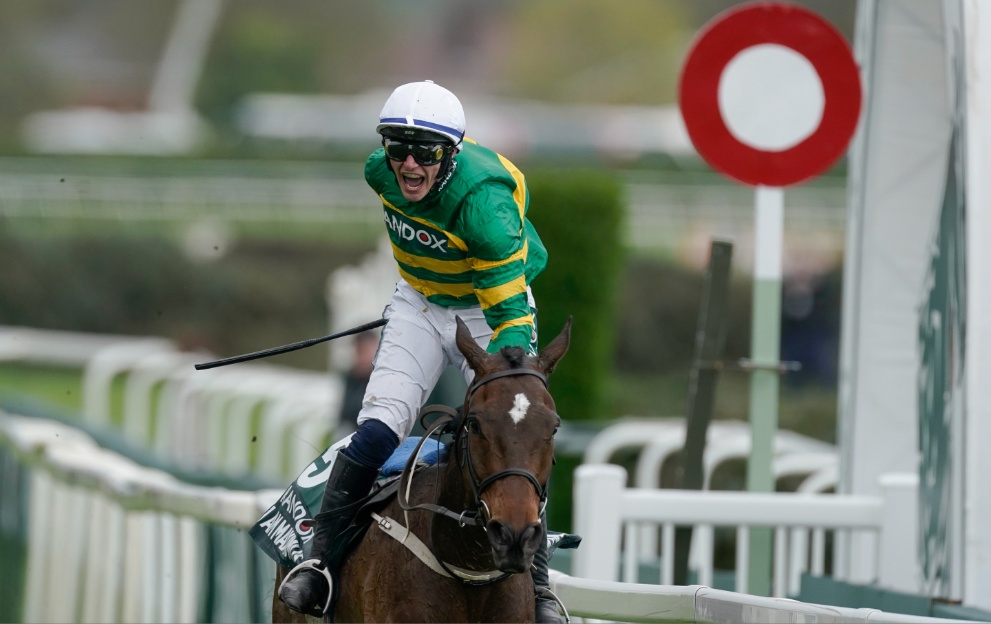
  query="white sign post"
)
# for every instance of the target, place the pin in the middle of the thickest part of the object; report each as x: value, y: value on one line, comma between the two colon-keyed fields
x: 771, y: 95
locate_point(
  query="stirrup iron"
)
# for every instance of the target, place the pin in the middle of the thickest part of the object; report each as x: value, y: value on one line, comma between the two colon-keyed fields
x: 313, y: 564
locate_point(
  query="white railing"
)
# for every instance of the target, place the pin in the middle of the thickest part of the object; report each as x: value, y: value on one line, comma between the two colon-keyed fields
x: 659, y: 439
x: 112, y: 541
x: 210, y: 418
x: 612, y: 516
x: 595, y: 600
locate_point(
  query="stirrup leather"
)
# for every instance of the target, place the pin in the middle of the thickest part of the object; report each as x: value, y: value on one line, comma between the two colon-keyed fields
x: 313, y: 564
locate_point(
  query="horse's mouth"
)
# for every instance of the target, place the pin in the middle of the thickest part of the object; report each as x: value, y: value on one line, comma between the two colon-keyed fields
x: 514, y: 564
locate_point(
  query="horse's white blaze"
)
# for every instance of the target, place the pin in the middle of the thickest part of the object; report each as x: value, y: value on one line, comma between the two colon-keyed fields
x: 520, y: 405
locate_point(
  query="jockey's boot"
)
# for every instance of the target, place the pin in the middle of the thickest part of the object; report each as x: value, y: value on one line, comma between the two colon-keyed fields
x: 545, y: 601
x: 308, y: 588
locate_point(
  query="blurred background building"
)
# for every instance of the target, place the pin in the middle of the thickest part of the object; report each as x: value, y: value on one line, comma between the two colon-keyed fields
x: 198, y: 116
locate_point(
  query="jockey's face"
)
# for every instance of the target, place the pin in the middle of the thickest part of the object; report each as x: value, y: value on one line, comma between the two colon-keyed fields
x: 415, y: 180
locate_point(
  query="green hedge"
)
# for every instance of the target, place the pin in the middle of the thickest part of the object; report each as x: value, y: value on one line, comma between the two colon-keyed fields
x: 579, y: 216
x: 261, y: 294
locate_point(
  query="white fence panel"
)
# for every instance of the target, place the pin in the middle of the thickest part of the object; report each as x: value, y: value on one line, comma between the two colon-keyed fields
x: 604, y: 506
x: 211, y: 418
x: 118, y: 542
x: 795, y: 455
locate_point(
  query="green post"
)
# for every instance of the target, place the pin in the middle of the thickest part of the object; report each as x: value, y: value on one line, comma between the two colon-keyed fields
x: 765, y: 346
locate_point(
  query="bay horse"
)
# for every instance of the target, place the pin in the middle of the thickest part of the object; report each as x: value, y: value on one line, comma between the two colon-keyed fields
x: 476, y: 514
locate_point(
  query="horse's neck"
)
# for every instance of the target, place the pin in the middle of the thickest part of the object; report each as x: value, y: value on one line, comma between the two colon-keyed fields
x: 464, y: 546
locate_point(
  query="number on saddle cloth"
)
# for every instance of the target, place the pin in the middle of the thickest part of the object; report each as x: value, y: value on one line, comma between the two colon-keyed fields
x: 285, y: 529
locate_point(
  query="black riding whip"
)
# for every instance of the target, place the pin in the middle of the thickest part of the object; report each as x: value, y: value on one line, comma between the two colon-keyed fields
x: 289, y: 347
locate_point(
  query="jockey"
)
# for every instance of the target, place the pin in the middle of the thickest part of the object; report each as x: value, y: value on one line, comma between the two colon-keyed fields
x: 456, y: 216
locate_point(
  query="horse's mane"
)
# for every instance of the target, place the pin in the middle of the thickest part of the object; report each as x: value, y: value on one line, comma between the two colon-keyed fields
x: 513, y: 356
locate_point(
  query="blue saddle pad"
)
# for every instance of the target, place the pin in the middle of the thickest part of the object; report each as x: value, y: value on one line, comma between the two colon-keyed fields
x: 432, y: 451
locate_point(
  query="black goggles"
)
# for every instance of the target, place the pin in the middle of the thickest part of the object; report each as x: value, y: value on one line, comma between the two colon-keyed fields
x: 424, y: 153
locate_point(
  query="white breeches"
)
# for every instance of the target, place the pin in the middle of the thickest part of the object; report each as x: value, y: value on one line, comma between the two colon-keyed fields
x: 417, y: 345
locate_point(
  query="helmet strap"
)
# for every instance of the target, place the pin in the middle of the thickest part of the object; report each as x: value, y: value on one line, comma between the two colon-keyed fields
x: 447, y: 167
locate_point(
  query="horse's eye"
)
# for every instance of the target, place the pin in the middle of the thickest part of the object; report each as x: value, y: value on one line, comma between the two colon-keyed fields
x: 473, y: 426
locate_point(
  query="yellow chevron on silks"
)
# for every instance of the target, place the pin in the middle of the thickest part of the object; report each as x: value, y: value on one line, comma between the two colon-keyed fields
x: 523, y: 320
x: 484, y: 265
x: 519, y: 195
x: 489, y: 297
x: 450, y: 267
x: 429, y: 288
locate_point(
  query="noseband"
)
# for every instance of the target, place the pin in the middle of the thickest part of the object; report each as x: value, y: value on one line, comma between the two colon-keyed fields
x: 479, y: 485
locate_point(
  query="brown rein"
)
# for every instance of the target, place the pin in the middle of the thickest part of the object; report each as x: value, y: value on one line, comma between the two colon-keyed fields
x: 465, y: 517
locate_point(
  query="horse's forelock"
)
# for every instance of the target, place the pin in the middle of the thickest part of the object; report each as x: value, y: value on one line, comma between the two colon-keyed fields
x: 514, y: 356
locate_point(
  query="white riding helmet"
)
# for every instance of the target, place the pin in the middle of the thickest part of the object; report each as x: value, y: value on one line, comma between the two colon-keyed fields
x: 419, y: 109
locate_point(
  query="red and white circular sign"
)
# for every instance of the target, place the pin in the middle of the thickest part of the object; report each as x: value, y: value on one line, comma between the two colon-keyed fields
x: 757, y: 27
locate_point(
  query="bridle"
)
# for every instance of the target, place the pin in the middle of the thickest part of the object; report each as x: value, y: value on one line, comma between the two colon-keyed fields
x: 454, y: 422
x: 464, y: 457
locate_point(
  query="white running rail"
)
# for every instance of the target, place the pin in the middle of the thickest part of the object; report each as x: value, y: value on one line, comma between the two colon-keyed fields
x: 210, y: 418
x: 121, y: 543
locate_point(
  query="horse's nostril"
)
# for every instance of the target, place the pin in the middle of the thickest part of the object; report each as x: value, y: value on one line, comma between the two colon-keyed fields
x: 499, y: 534
x: 505, y: 539
x: 513, y: 550
x: 531, y: 536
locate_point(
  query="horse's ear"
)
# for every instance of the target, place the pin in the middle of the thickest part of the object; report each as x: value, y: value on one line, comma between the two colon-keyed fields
x: 556, y: 349
x: 473, y: 353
